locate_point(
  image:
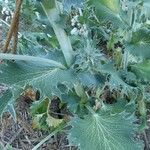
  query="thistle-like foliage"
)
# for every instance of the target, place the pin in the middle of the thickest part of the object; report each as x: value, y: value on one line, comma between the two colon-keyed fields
x: 104, y: 131
x: 92, y: 74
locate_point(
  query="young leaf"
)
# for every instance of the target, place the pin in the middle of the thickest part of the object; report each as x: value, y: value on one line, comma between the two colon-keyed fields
x: 39, y: 107
x: 53, y: 122
x: 39, y: 122
x: 142, y: 70
x: 104, y: 131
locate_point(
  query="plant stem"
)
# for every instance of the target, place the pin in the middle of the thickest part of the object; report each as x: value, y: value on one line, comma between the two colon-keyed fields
x: 63, y: 39
x: 35, y: 43
x: 12, y: 26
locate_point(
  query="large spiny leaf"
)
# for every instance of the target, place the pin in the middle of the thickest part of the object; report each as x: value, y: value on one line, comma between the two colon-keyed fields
x: 104, y: 132
x: 140, y: 44
x: 147, y: 7
x: 19, y: 74
x: 142, y: 70
x: 115, y: 81
x: 107, y: 11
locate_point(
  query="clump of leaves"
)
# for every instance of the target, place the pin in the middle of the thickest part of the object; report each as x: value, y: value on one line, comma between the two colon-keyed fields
x: 101, y: 77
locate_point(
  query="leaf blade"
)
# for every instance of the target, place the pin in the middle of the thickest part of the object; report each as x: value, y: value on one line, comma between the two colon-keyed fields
x: 103, y: 131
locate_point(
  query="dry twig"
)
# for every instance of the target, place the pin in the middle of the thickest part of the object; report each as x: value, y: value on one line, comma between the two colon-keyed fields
x: 13, y: 30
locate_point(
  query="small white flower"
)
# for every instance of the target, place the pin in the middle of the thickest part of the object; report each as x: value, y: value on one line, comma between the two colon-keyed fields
x: 72, y: 23
x: 37, y: 14
x: 74, y: 31
x: 133, y: 59
x: 72, y: 20
x: 3, y: 10
x: 148, y: 21
x: 7, y: 18
x: 6, y: 1
x: 76, y: 18
x: 84, y: 27
x: 79, y: 24
x: 80, y: 12
x: 7, y: 12
x: 83, y: 31
x: 43, y: 25
x: 49, y: 35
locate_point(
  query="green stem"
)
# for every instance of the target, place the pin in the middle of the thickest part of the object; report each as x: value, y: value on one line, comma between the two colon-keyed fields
x: 63, y: 39
x: 43, y: 61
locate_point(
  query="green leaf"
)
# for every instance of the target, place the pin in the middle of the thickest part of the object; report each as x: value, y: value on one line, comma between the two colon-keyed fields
x: 38, y: 111
x: 67, y: 4
x: 4, y: 100
x: 104, y: 131
x: 39, y: 122
x: 19, y: 74
x: 139, y: 44
x: 113, y: 5
x: 48, y: 4
x: 147, y: 7
x: 72, y: 100
x: 115, y: 81
x: 39, y: 107
x: 142, y: 70
x: 53, y: 122
x: 107, y: 11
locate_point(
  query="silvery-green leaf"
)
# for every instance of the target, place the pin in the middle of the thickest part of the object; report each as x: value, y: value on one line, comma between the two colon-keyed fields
x: 104, y: 131
x: 20, y: 73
